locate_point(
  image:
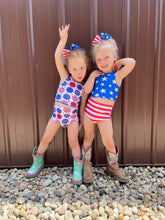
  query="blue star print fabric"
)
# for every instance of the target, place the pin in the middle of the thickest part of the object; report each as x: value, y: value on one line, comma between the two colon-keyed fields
x: 105, y: 87
x: 74, y: 46
x: 105, y: 36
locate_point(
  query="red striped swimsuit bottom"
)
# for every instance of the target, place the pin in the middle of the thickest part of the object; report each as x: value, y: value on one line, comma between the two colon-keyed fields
x: 97, y: 111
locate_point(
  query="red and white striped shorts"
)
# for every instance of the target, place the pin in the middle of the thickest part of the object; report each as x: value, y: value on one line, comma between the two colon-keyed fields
x: 97, y: 111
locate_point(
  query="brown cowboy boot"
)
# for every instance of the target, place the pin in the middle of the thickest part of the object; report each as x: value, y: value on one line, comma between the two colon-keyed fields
x: 88, y: 176
x: 113, y: 167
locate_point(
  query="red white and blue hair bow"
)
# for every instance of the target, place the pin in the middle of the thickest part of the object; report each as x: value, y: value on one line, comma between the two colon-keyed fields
x: 72, y: 47
x: 102, y: 36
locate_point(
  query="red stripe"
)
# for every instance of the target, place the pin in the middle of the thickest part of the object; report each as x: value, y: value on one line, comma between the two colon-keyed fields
x: 65, y: 53
x: 100, y: 103
x: 103, y: 113
x: 97, y: 39
x: 96, y: 117
x: 94, y: 106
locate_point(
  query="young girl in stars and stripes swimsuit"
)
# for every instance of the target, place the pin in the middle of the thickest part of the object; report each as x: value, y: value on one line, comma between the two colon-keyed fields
x: 103, y: 85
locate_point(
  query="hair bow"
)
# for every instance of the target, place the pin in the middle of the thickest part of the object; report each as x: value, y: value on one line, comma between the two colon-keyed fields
x: 102, y: 36
x: 72, y: 47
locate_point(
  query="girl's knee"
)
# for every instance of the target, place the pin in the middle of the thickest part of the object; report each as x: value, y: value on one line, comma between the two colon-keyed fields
x: 73, y: 141
x: 89, y: 137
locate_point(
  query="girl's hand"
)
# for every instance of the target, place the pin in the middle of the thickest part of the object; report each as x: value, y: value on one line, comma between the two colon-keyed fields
x: 116, y: 66
x: 63, y: 31
x: 91, y: 80
x: 96, y: 73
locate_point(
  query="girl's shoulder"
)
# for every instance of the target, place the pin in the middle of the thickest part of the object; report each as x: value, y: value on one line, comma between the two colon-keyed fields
x: 64, y: 81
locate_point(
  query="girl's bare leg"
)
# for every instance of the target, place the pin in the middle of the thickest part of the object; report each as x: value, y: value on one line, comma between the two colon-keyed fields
x: 89, y: 132
x: 38, y: 160
x: 89, y: 129
x: 50, y: 131
x: 113, y: 169
x: 106, y: 131
x: 73, y: 130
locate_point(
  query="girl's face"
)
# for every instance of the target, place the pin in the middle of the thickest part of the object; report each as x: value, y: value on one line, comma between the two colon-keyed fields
x: 77, y: 68
x: 104, y: 59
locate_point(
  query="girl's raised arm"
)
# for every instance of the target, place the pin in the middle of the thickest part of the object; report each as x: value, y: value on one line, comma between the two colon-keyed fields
x: 128, y: 65
x: 63, y: 31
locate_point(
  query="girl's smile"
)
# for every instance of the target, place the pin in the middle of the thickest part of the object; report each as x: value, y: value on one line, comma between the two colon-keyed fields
x: 105, y: 59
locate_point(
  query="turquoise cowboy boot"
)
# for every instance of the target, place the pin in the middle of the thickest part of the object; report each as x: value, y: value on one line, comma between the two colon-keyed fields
x: 38, y: 163
x: 77, y: 170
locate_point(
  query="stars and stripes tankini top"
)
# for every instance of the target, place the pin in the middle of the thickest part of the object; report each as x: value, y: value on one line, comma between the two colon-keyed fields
x: 106, y: 87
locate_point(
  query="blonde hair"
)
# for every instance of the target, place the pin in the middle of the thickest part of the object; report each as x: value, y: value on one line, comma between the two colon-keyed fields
x: 77, y: 53
x: 111, y: 44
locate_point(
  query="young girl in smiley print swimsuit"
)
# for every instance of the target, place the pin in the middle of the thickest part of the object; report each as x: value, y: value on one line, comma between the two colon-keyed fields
x: 68, y: 97
x: 103, y: 86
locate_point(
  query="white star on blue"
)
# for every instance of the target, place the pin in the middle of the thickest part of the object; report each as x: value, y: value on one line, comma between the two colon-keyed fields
x: 104, y: 79
x: 105, y: 87
x: 102, y: 90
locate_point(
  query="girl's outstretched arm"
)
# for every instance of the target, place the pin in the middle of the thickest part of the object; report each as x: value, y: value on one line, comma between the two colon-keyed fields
x: 91, y: 80
x: 128, y: 65
x: 87, y: 89
x: 63, y: 31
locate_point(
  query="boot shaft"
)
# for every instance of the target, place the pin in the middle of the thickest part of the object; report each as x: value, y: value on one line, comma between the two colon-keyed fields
x: 112, y: 158
x: 38, y: 163
x: 88, y: 176
x: 78, y: 162
x: 113, y: 167
x: 87, y: 153
x: 77, y: 169
x: 38, y: 158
